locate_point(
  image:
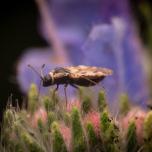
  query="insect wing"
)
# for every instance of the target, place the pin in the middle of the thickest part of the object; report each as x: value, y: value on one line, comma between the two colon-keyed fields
x: 61, y: 70
x: 88, y: 72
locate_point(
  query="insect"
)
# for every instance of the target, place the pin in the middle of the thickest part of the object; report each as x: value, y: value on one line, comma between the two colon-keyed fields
x: 73, y: 75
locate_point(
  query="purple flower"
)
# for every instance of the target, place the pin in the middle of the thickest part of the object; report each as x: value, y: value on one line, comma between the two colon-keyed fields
x: 91, y: 32
x: 116, y: 47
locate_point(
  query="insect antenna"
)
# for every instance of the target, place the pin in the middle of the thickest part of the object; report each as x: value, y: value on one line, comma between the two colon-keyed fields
x: 40, y: 74
x: 42, y: 67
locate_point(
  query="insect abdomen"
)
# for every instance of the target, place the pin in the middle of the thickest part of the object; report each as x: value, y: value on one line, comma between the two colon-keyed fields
x: 87, y: 82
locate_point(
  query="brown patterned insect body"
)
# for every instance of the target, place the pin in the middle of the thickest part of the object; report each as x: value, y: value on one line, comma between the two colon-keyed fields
x: 76, y: 75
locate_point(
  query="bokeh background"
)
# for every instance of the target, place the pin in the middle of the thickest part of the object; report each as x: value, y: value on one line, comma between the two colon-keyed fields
x: 20, y: 30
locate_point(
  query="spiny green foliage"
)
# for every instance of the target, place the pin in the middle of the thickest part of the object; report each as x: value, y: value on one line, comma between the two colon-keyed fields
x: 109, y: 133
x: 105, y: 121
x: 8, y: 117
x: 32, y: 98
x: 124, y: 105
x: 86, y: 104
x: 101, y: 101
x: 51, y: 118
x: 19, y: 139
x: 30, y: 143
x: 67, y: 118
x: 49, y: 126
x: 8, y: 122
x: 148, y: 132
x: 48, y: 103
x: 132, y: 143
x: 78, y: 138
x: 92, y: 137
x: 40, y: 125
x: 58, y: 142
x: 94, y: 141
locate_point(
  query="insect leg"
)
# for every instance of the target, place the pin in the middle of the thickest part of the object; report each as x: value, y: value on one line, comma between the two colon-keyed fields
x: 73, y: 85
x: 56, y: 89
x: 65, y: 86
x: 90, y: 81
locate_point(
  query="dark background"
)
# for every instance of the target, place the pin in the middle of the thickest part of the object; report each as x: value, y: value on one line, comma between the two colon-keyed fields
x: 18, y: 31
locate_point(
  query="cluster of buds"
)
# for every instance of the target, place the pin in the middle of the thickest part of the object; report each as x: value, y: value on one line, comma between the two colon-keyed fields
x: 48, y: 125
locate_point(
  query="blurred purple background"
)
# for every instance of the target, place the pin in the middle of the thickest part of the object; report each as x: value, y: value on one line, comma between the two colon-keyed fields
x: 97, y: 33
x: 90, y: 32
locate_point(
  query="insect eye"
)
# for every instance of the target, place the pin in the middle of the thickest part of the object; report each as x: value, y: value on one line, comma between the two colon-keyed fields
x: 47, y: 77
